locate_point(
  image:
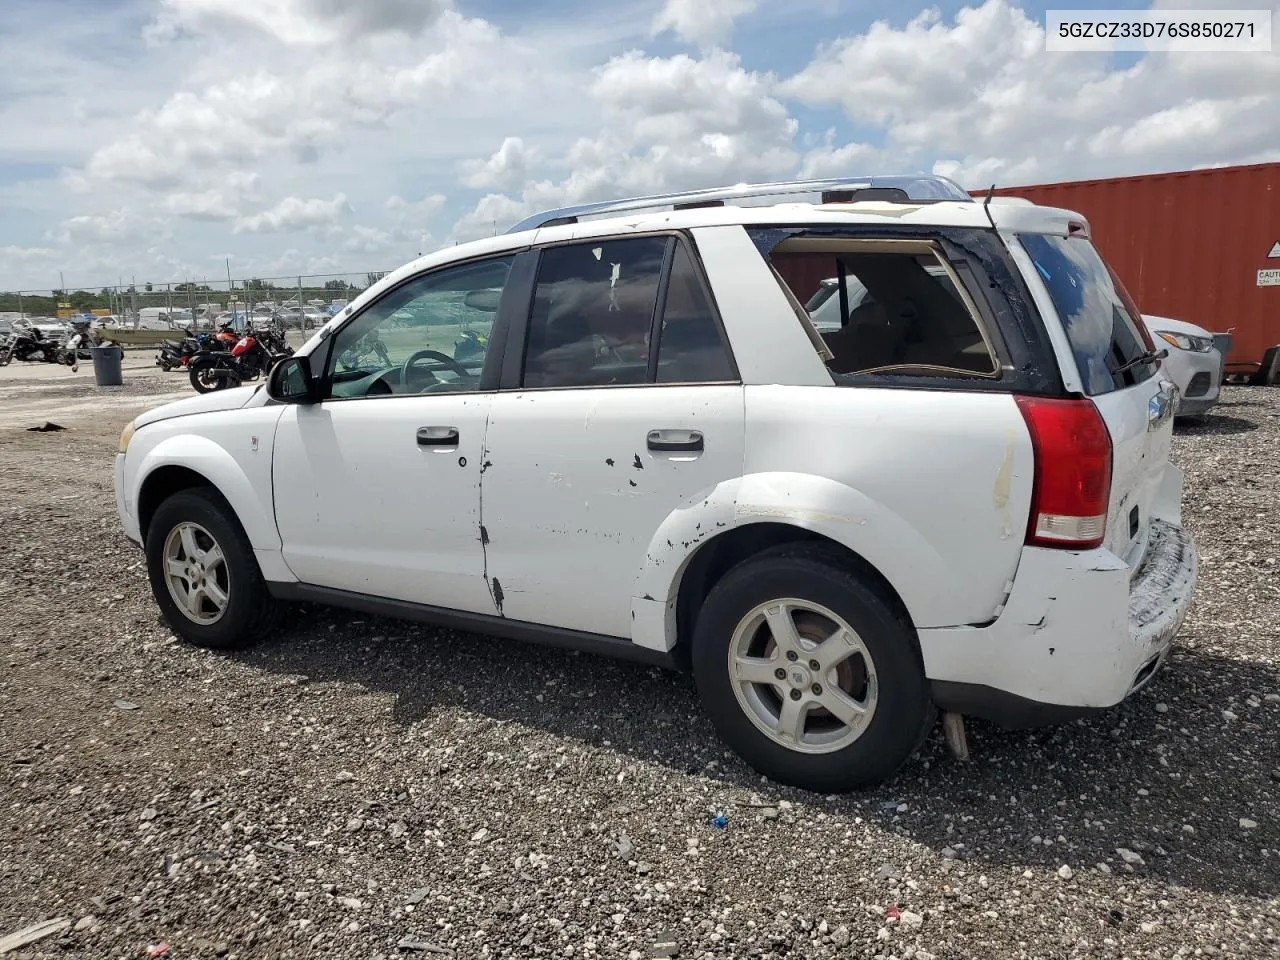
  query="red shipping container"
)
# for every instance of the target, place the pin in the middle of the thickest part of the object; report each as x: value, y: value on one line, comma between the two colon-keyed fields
x: 1201, y: 246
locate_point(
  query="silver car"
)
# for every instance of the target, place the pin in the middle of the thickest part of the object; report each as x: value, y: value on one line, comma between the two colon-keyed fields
x: 1194, y: 363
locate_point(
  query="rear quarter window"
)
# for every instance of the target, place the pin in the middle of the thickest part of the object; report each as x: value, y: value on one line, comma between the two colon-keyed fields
x: 1104, y: 334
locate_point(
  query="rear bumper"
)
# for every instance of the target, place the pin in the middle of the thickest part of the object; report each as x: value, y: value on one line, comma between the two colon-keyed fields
x: 1080, y: 632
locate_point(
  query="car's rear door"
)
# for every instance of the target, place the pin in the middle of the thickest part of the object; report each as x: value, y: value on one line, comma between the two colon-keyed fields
x: 1108, y: 343
x: 621, y: 406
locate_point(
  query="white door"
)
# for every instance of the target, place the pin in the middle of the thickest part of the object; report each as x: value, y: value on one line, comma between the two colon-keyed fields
x: 605, y: 439
x: 377, y: 486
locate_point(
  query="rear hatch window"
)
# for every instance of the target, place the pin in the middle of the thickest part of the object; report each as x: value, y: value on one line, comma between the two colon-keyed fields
x: 1104, y: 335
x: 1120, y: 374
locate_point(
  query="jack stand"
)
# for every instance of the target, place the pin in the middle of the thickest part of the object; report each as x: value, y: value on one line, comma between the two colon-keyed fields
x: 953, y: 729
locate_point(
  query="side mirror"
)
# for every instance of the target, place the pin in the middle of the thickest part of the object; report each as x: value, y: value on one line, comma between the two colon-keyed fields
x: 290, y: 381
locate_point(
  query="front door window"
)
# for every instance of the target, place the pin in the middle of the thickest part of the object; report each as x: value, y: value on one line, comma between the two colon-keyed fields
x: 428, y: 335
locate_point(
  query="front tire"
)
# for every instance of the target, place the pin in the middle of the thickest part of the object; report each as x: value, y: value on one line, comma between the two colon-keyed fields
x: 808, y: 672
x: 204, y: 575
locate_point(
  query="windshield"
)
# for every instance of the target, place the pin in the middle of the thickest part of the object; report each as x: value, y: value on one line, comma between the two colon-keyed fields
x: 1104, y: 336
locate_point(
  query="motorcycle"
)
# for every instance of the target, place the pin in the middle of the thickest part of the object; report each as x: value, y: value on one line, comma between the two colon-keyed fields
x: 77, y: 347
x: 470, y: 345
x: 30, y: 344
x: 178, y: 353
x: 254, y: 355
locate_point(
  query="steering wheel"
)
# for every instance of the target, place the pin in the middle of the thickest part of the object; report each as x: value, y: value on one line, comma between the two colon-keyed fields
x: 448, y: 361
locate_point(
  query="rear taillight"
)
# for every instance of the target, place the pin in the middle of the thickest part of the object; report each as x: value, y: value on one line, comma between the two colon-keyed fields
x: 1073, y: 472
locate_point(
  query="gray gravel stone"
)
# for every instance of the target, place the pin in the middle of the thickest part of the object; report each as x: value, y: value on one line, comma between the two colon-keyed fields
x: 242, y: 755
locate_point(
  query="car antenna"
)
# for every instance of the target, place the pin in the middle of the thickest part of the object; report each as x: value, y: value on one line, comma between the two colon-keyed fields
x: 986, y: 205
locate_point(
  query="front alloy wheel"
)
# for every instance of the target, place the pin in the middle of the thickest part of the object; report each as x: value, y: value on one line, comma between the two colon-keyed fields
x: 204, y: 574
x: 196, y: 573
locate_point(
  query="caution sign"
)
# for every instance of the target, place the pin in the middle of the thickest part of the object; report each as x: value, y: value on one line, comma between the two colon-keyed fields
x: 1275, y: 251
x: 1269, y: 278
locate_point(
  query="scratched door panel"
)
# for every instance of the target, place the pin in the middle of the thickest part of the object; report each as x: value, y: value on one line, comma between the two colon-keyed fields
x: 363, y: 505
x: 572, y: 492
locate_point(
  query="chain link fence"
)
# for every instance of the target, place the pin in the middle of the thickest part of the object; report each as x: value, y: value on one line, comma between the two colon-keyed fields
x: 296, y: 303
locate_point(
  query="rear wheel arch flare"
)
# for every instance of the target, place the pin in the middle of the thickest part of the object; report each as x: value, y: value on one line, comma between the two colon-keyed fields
x: 718, y: 555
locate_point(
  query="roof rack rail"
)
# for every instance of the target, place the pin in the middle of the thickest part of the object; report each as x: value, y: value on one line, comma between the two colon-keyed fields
x: 923, y: 188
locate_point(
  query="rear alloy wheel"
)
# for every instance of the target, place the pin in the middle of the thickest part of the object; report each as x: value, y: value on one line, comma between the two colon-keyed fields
x: 808, y: 672
x: 203, y: 572
x: 802, y: 676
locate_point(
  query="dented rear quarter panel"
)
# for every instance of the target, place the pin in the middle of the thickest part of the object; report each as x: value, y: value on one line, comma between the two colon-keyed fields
x: 932, y: 488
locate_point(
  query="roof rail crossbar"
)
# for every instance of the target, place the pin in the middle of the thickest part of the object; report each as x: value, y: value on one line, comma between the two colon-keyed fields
x: 922, y: 188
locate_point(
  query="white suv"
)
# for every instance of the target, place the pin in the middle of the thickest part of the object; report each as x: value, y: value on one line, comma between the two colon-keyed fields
x: 616, y: 428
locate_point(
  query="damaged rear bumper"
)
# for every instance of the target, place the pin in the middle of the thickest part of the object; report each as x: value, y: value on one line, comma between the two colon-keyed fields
x: 1081, y: 631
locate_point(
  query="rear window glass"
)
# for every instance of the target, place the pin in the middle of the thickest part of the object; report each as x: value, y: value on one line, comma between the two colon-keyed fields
x: 1104, y: 335
x: 899, y: 312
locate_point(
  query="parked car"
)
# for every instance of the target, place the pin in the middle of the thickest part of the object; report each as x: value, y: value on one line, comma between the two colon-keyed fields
x: 1195, y: 362
x: 959, y: 499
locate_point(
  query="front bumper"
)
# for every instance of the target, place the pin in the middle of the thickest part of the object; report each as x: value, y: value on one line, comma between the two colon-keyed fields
x: 127, y: 520
x: 1199, y: 379
x: 1080, y: 632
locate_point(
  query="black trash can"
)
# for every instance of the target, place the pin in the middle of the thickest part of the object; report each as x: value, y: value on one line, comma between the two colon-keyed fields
x: 106, y: 366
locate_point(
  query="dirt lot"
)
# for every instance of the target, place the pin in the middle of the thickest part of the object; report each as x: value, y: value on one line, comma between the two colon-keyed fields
x: 363, y: 788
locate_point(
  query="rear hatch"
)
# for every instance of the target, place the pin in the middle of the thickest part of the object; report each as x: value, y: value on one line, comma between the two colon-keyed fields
x: 1113, y: 354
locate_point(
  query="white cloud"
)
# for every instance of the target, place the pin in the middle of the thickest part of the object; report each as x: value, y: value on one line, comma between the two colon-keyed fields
x: 851, y: 159
x: 505, y: 169
x: 294, y: 213
x: 223, y: 200
x: 367, y: 240
x: 295, y: 22
x: 242, y: 122
x: 415, y: 209
x: 982, y: 98
x: 14, y: 257
x: 705, y: 23
x: 147, y: 158
x: 119, y: 226
x: 669, y: 123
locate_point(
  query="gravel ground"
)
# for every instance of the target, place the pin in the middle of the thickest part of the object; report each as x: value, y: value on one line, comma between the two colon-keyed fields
x: 364, y: 788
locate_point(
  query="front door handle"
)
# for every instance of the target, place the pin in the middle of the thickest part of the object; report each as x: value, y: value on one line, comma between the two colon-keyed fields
x: 675, y: 441
x: 437, y: 436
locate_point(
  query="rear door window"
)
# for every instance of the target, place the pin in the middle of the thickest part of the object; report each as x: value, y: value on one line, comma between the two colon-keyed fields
x: 621, y: 312
x: 690, y: 346
x: 1103, y: 332
x: 593, y: 311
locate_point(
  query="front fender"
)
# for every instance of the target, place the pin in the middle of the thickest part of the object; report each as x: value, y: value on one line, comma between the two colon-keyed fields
x: 213, y: 462
x: 895, y: 548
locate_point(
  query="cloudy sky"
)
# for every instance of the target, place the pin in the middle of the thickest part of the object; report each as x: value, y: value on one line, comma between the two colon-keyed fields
x: 153, y: 138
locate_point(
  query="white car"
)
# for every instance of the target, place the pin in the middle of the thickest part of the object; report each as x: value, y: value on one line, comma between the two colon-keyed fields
x: 961, y: 498
x: 1194, y: 362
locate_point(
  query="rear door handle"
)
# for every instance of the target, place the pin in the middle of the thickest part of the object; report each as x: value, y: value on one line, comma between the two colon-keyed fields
x: 437, y: 436
x: 675, y: 441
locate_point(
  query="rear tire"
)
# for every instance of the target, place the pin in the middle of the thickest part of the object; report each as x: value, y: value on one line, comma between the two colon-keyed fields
x: 195, y: 544
x: 881, y: 710
x: 204, y: 378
